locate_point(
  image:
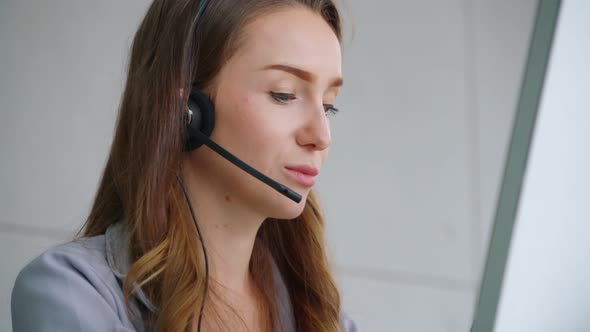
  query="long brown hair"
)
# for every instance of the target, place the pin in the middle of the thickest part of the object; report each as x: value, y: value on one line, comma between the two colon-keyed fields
x: 170, y: 52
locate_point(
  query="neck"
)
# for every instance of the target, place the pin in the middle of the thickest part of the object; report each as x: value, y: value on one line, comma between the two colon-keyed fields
x: 229, y: 231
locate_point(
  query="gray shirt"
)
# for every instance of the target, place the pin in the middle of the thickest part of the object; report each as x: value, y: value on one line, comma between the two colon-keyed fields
x: 77, y: 286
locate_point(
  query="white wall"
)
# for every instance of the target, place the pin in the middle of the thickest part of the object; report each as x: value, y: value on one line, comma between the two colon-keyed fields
x: 410, y: 184
x: 430, y: 93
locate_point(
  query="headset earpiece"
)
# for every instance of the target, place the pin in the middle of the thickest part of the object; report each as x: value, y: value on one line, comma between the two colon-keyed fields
x: 200, y: 119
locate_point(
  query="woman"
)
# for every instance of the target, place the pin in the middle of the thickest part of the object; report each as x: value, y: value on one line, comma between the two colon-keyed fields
x: 178, y: 238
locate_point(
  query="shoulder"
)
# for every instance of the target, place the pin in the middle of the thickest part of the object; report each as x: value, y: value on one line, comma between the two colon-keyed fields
x: 348, y: 324
x: 58, y: 265
x: 68, y: 288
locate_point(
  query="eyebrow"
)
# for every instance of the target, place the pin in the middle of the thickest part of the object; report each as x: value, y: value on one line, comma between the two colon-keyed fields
x: 303, y: 74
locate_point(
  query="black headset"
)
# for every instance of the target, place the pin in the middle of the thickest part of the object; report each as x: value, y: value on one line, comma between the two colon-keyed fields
x: 199, y: 119
x: 200, y: 122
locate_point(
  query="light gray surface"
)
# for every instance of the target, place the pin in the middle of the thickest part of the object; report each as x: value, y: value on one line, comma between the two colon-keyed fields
x: 418, y: 147
x: 407, y: 307
x: 516, y: 164
x: 546, y: 285
x: 501, y: 32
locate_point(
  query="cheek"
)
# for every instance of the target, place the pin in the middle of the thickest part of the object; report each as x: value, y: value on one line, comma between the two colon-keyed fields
x: 254, y: 121
x: 251, y: 128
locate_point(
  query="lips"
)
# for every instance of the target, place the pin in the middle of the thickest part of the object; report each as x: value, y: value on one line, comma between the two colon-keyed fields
x: 303, y: 174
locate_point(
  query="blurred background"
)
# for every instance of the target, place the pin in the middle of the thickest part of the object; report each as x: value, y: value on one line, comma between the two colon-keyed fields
x: 409, y: 188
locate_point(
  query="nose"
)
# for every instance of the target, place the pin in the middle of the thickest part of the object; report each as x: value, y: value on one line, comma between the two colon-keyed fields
x: 315, y: 133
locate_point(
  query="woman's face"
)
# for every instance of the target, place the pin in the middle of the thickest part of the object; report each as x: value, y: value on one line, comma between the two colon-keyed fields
x: 272, y: 109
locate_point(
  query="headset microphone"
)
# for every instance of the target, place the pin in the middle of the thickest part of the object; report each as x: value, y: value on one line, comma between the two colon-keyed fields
x: 200, y: 122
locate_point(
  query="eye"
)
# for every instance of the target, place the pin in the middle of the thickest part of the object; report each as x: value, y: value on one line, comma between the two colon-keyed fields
x: 330, y: 109
x: 282, y: 97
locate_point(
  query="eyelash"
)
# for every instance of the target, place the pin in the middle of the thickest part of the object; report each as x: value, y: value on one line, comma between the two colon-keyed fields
x: 283, y: 97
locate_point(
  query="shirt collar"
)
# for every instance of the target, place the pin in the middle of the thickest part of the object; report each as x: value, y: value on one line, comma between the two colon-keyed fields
x: 118, y: 258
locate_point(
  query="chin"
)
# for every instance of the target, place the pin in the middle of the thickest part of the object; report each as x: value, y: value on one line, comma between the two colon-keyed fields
x: 285, y: 208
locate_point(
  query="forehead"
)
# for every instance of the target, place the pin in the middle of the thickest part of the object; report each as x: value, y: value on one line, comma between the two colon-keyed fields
x: 292, y: 35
